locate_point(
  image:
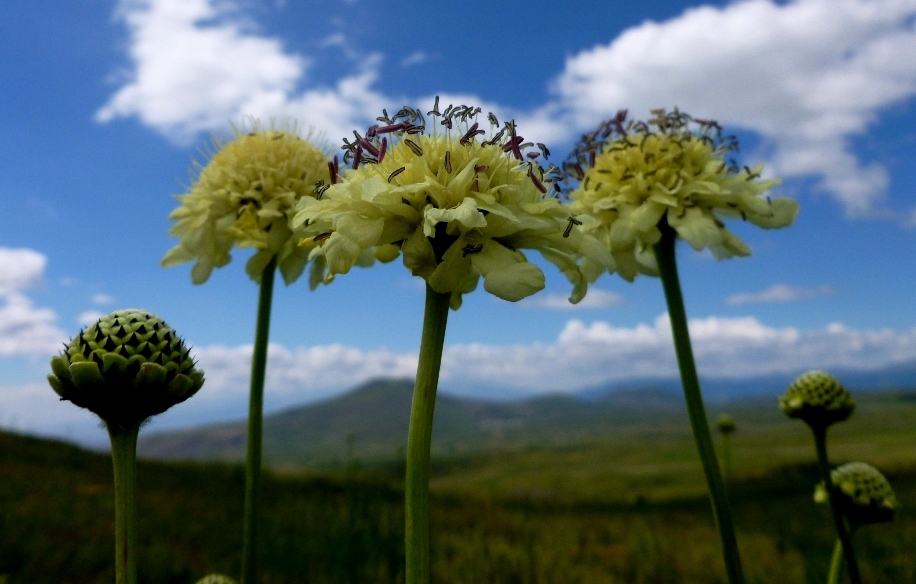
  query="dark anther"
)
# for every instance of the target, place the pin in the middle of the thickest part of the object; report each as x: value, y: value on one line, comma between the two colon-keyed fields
x: 369, y: 147
x: 414, y: 147
x: 472, y: 131
x: 395, y: 173
x: 537, y: 183
x: 357, y: 157
x: 569, y: 227
x: 469, y: 249
x: 448, y: 161
x: 435, y: 111
x: 383, y: 149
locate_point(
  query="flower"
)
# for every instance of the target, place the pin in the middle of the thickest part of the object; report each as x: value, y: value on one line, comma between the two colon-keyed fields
x: 818, y: 399
x: 865, y: 496
x: 671, y: 170
x: 457, y: 208
x: 245, y: 196
x: 126, y: 367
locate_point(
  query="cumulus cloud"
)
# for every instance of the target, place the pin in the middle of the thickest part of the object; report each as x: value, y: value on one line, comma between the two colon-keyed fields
x: 20, y: 269
x: 808, y: 75
x: 595, y: 298
x: 195, y: 65
x: 102, y: 299
x: 778, y: 293
x: 583, y: 355
x: 24, y: 328
x: 415, y: 58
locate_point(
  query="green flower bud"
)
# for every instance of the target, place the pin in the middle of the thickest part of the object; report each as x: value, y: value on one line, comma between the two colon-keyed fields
x: 725, y: 424
x: 864, y: 494
x: 216, y: 579
x: 818, y: 399
x: 126, y: 367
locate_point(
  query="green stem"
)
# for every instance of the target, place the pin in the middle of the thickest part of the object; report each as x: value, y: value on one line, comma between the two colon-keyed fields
x: 820, y: 443
x: 419, y: 437
x: 124, y: 461
x: 664, y: 253
x: 255, y: 428
x: 836, y: 563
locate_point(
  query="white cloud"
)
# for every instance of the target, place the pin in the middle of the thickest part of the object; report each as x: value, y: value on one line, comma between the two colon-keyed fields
x: 20, y: 269
x: 808, y: 75
x: 415, y: 58
x: 102, y: 299
x: 27, y: 330
x: 89, y: 317
x: 778, y: 293
x: 583, y: 355
x: 196, y: 66
x: 24, y: 329
x: 595, y: 298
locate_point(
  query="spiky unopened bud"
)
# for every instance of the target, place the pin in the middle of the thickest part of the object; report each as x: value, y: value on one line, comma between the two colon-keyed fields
x: 126, y: 367
x: 864, y: 494
x: 818, y: 399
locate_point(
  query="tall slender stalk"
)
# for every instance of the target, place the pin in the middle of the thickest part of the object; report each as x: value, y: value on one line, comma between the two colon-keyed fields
x: 820, y: 444
x: 255, y: 428
x: 419, y: 437
x: 836, y: 563
x: 124, y: 461
x: 664, y: 253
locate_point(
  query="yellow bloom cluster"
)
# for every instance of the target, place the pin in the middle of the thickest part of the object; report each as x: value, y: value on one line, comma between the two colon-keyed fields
x: 672, y: 170
x: 246, y: 196
x: 456, y: 208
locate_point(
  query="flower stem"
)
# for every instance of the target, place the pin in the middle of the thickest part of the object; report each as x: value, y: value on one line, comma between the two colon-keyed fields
x: 124, y: 461
x: 255, y: 428
x: 664, y: 253
x: 820, y: 444
x: 836, y: 563
x: 419, y: 437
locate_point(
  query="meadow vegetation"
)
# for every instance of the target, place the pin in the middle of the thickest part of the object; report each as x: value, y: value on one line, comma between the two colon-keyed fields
x: 626, y: 507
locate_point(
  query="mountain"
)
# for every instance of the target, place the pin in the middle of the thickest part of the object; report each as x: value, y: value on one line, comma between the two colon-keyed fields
x: 370, y: 423
x: 718, y: 389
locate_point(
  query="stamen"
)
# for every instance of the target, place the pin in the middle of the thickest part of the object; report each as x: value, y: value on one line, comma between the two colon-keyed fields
x: 537, y: 183
x: 448, y: 161
x: 469, y: 249
x: 369, y: 147
x: 472, y: 131
x: 357, y: 157
x: 395, y: 173
x: 572, y: 221
x: 414, y: 147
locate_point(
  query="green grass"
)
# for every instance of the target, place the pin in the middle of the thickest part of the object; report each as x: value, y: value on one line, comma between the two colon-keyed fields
x: 625, y: 507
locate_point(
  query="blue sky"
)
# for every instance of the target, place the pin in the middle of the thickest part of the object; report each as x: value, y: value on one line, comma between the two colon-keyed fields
x: 105, y: 104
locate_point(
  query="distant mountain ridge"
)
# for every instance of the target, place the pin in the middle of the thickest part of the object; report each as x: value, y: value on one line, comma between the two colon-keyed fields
x: 370, y: 422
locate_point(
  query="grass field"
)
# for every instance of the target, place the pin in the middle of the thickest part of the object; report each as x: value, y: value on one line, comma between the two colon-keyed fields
x: 628, y: 508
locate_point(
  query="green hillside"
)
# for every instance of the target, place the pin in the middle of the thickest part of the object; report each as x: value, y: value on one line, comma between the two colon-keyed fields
x: 370, y: 423
x: 56, y: 516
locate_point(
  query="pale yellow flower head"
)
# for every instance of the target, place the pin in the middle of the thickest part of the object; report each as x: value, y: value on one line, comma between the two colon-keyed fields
x: 245, y: 196
x: 458, y: 204
x: 671, y: 170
